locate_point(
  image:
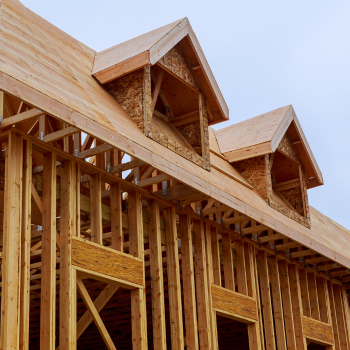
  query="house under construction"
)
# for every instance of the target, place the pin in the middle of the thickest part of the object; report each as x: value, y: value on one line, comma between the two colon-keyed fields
x: 129, y: 223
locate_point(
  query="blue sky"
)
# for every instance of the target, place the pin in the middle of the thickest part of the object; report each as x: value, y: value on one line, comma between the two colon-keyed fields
x: 264, y: 55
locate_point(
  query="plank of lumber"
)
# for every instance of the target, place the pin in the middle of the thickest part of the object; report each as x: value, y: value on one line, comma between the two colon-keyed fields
x: 235, y: 220
x: 204, y: 324
x: 11, y: 260
x: 216, y: 256
x: 60, y: 134
x: 215, y: 209
x: 189, y: 294
x: 271, y: 238
x: 258, y: 228
x: 136, y: 248
x: 302, y: 253
x: 17, y: 118
x: 156, y: 89
x: 241, y: 268
x: 96, y: 208
x: 156, y: 270
x: 99, y: 303
x: 95, y: 151
x: 126, y: 166
x: 48, y: 267
x: 174, y: 286
x: 185, y: 119
x: 228, y: 262
x: 94, y: 313
x: 333, y: 316
x: 25, y: 247
x: 287, y: 185
x: 287, y: 305
x: 177, y: 192
x: 116, y: 217
x: 161, y: 116
x: 266, y: 301
x: 154, y: 180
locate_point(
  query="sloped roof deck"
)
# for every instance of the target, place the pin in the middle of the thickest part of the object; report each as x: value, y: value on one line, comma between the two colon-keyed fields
x: 48, y: 69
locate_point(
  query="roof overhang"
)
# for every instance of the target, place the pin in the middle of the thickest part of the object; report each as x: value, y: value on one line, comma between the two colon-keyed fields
x: 291, y: 124
x: 134, y: 54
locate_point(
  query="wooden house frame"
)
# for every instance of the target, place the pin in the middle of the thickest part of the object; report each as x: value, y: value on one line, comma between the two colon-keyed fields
x: 199, y: 247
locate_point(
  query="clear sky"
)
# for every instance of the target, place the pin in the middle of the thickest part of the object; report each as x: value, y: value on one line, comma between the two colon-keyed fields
x: 264, y: 55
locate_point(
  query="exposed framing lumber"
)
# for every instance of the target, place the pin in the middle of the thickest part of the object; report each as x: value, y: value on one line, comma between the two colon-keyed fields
x: 95, y: 151
x: 154, y: 180
x: 174, y: 287
x: 48, y: 264
x: 157, y: 284
x: 333, y: 315
x: 25, y: 247
x: 313, y: 295
x: 287, y: 305
x: 190, y: 311
x: 96, y: 208
x: 216, y: 255
x: 71, y: 130
x: 136, y: 248
x: 98, y: 321
x: 156, y: 89
x: 277, y: 304
x: 68, y: 307
x: 204, y: 325
x: 241, y: 268
x: 126, y: 166
x: 17, y: 118
x: 116, y: 217
x: 266, y: 301
x: 10, y: 291
x: 227, y: 262
x: 339, y: 308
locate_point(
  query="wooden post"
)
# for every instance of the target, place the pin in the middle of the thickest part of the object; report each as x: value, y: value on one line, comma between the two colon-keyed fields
x: 277, y: 303
x: 116, y: 217
x: 157, y: 284
x: 315, y: 311
x: 304, y: 293
x: 255, y: 330
x: 334, y: 317
x: 346, y: 311
x: 174, y: 287
x: 48, y: 258
x: 297, y: 306
x: 189, y: 292
x: 68, y: 292
x: 25, y: 246
x: 96, y: 208
x: 241, y: 268
x: 136, y: 248
x: 205, y: 341
x: 266, y: 301
x: 339, y: 310
x: 216, y: 256
x: 209, y: 255
x: 287, y: 305
x: 228, y: 262
x: 10, y: 291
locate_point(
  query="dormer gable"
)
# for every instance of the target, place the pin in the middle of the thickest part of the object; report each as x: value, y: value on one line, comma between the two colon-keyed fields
x: 170, y: 101
x: 272, y: 153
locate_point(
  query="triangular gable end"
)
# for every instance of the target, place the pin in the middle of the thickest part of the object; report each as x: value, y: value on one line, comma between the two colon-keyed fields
x: 151, y: 47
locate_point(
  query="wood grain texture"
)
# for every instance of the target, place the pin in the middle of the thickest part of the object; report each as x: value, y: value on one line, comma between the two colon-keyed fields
x: 233, y: 304
x: 106, y: 261
x: 317, y: 331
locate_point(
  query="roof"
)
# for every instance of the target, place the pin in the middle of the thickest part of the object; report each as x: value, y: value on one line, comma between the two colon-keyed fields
x: 149, y: 48
x: 262, y: 134
x: 48, y: 69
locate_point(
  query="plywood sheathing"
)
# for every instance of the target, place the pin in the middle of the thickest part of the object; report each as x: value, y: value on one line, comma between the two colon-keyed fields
x: 286, y: 147
x: 175, y: 61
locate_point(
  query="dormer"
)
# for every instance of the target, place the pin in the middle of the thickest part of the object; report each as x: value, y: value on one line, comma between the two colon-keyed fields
x: 165, y: 84
x: 272, y: 153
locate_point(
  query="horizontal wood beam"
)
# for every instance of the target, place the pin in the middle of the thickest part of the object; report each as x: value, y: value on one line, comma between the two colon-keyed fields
x: 246, y: 231
x: 185, y: 119
x: 154, y: 180
x: 94, y: 151
x: 271, y: 238
x: 287, y: 185
x: 235, y: 220
x: 32, y: 113
x: 60, y: 134
x: 216, y: 209
x: 177, y: 192
x: 126, y: 166
x: 287, y: 246
x: 302, y: 253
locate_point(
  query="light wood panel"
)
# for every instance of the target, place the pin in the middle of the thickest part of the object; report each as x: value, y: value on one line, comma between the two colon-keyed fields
x: 234, y: 305
x: 108, y: 262
x: 317, y: 331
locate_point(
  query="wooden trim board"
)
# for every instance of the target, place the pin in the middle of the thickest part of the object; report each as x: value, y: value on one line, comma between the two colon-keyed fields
x: 317, y: 331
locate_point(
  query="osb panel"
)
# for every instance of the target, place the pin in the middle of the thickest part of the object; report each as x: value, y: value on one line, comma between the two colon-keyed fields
x: 286, y: 147
x: 104, y: 261
x: 206, y: 154
x: 306, y: 199
x: 317, y: 330
x: 233, y: 303
x: 176, y: 61
x: 253, y: 170
x: 192, y: 134
x: 128, y: 91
